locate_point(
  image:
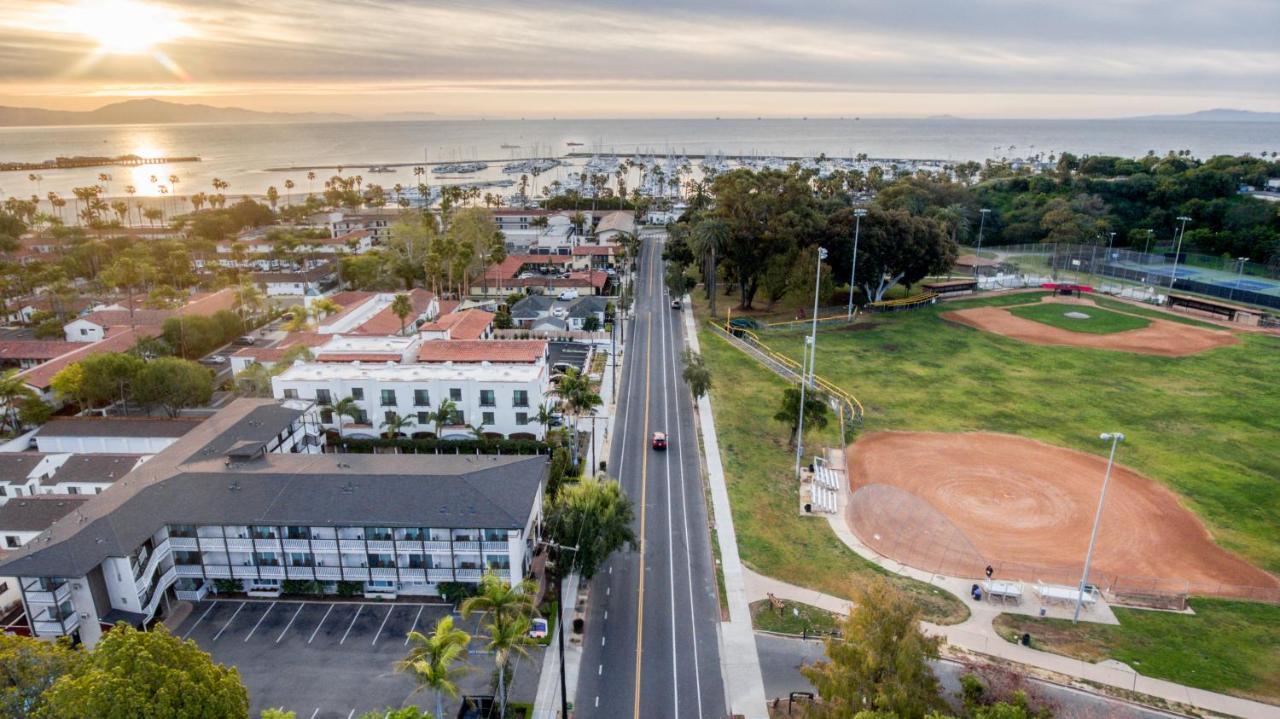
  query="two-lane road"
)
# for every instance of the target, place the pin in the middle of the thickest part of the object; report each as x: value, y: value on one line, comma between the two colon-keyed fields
x: 651, y: 646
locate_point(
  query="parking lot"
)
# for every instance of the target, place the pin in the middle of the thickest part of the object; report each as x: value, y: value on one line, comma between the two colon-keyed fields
x: 334, y: 660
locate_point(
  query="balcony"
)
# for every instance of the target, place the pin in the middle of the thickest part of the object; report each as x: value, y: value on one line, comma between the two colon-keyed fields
x: 184, y: 543
x: 440, y: 575
x: 55, y: 596
x: 408, y: 546
x: 442, y: 547
x: 296, y: 545
x: 353, y: 545
x: 381, y: 545
x: 300, y: 573
x: 325, y: 573
x: 496, y: 547
x: 413, y: 575
x: 324, y: 545
x: 54, y: 629
x: 504, y: 574
x: 163, y: 583
x: 466, y: 547
x: 383, y: 573
x: 355, y: 574
x: 217, y: 571
x: 212, y: 544
x: 239, y: 545
x: 242, y: 572
x: 468, y: 575
x: 266, y: 545
x: 189, y: 570
x: 269, y: 572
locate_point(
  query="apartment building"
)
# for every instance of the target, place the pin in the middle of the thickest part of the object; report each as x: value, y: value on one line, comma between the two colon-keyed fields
x: 246, y: 501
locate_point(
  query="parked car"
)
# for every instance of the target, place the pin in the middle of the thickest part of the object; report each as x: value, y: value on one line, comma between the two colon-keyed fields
x: 244, y: 340
x: 538, y: 628
x: 215, y: 359
x: 675, y: 304
x: 660, y: 440
x: 569, y: 295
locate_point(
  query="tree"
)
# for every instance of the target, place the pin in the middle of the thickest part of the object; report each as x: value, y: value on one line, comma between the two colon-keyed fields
x: 897, y: 247
x: 298, y: 319
x: 129, y: 273
x: 109, y: 376
x: 254, y: 380
x: 444, y: 414
x: 696, y: 374
x: 278, y: 714
x: 509, y: 609
x: 815, y: 411
x: 68, y: 385
x: 395, y: 424
x: 708, y: 239
x: 346, y: 407
x: 881, y: 661
x: 29, y: 667
x: 135, y: 674
x: 402, y: 307
x: 594, y: 515
x: 13, y: 392
x: 173, y: 384
x: 591, y: 324
x: 433, y: 660
x: 578, y: 398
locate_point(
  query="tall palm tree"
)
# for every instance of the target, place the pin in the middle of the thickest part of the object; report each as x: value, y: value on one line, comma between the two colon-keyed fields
x: 509, y: 609
x: 402, y: 307
x: 709, y: 237
x: 578, y: 398
x: 394, y: 425
x: 432, y: 660
x: 288, y: 191
x: 443, y: 415
x: 345, y: 407
x: 13, y: 391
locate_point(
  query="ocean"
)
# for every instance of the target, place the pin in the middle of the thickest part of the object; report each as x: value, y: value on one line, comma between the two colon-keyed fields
x: 244, y: 155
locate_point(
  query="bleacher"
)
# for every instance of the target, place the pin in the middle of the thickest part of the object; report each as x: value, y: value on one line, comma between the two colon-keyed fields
x: 826, y: 487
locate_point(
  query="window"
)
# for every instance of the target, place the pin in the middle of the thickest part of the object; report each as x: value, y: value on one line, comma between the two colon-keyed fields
x: 486, y: 418
x: 297, y: 533
x: 4, y: 492
x: 421, y: 398
x: 326, y: 416
x: 389, y: 416
x: 455, y: 394
x: 299, y: 559
x: 388, y: 398
x: 11, y: 541
x: 262, y: 532
x: 291, y: 394
x: 323, y: 397
x: 520, y: 398
x: 362, y: 417
x: 424, y: 418
x: 522, y: 418
x: 73, y: 490
x: 357, y: 393
x: 487, y: 399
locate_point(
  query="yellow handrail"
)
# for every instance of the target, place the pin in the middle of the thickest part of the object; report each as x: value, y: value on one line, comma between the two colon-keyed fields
x: 854, y: 405
x: 912, y: 300
x: 805, y: 321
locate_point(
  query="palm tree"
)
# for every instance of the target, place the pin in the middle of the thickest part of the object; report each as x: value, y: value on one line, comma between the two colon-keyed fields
x: 299, y: 320
x: 345, y: 407
x: 402, y: 307
x: 545, y: 418
x: 575, y: 392
x: 709, y: 237
x: 432, y: 660
x: 12, y: 391
x: 509, y: 609
x: 394, y: 425
x: 443, y: 415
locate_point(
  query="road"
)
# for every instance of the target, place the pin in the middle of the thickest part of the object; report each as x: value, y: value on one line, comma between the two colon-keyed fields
x: 781, y: 657
x: 651, y: 645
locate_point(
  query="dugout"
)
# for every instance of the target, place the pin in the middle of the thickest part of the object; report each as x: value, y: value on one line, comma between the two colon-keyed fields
x: 1216, y: 309
x: 946, y: 288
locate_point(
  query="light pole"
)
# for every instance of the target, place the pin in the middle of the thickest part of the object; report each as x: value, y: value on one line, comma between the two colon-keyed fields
x: 811, y: 352
x: 1147, y: 247
x: 1114, y: 438
x: 977, y: 255
x: 1239, y: 278
x: 1111, y: 240
x: 1177, y: 252
x: 564, y: 690
x: 858, y: 214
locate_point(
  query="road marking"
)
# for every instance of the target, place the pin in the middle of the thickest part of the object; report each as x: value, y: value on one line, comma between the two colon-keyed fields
x: 606, y: 615
x: 192, y: 628
x: 321, y: 624
x: 414, y: 625
x: 290, y: 624
x: 597, y: 701
x: 359, y: 609
x: 671, y: 533
x: 353, y: 713
x: 602, y: 641
x: 232, y: 619
x: 608, y: 591
x: 383, y: 625
x: 314, y: 713
x: 600, y: 670
x: 644, y: 484
x: 259, y: 622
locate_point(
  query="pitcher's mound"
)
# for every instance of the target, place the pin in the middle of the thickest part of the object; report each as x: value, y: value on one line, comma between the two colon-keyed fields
x: 953, y: 503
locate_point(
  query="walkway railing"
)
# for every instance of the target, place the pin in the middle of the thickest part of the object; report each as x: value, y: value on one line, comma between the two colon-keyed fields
x: 906, y: 303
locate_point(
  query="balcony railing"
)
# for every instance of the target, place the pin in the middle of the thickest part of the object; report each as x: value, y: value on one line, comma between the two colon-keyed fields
x: 239, y: 545
x: 184, y: 543
x: 413, y: 575
x: 466, y: 546
x: 468, y: 575
x: 381, y: 545
x: 267, y: 545
x: 324, y: 545
x: 328, y: 573
x: 270, y: 572
x: 301, y: 573
x: 383, y: 573
x: 53, y: 629
x: 217, y: 571
x: 437, y: 546
x: 241, y: 572
x: 189, y: 570
x: 356, y: 545
x: 495, y: 547
x: 296, y: 545
x: 411, y: 547
x: 212, y: 544
x: 440, y: 575
x: 355, y: 574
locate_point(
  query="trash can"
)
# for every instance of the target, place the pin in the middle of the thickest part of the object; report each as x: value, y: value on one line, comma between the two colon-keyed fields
x: 1026, y: 640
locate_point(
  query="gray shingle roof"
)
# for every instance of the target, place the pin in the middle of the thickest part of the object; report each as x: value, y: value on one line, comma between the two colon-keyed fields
x: 16, y: 466
x: 98, y: 468
x: 531, y: 307
x: 35, y: 514
x: 116, y: 427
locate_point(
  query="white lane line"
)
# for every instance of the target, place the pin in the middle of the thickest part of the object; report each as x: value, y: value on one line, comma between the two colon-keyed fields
x: 671, y: 557
x: 606, y: 614
x: 259, y: 622
x: 608, y: 591
x: 321, y: 624
x: 352, y: 713
x: 597, y: 701
x: 314, y: 713
x: 414, y: 625
x: 600, y: 670
x: 383, y: 625
x: 684, y: 510
x: 232, y: 619
x: 349, y: 626
x: 602, y: 641
x: 201, y: 619
x: 290, y: 624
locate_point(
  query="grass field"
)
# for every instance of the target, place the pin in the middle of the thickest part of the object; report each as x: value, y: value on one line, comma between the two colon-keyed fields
x: 795, y: 618
x: 1098, y: 322
x: 772, y: 537
x: 1204, y: 425
x: 1226, y: 646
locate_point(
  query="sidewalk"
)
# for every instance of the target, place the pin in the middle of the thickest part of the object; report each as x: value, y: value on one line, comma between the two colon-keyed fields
x: 739, y: 662
x: 546, y: 703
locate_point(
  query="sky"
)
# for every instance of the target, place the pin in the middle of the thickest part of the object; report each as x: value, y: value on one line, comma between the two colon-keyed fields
x: 656, y: 58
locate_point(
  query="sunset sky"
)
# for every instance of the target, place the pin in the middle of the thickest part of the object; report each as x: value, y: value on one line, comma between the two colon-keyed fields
x: 658, y: 58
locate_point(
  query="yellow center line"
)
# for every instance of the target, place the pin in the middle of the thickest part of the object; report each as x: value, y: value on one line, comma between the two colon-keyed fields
x: 644, y: 483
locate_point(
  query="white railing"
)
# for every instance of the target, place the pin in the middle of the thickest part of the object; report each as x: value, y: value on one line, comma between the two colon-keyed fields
x: 189, y: 570
x: 328, y: 573
x: 166, y: 580
x: 239, y: 545
x: 184, y: 543
x: 217, y: 571
x: 436, y: 546
x: 413, y: 575
x: 383, y: 573
x: 355, y: 574
x: 271, y: 572
x: 266, y: 545
x: 189, y: 596
x: 241, y: 572
x: 296, y: 545
x: 495, y: 547
x: 55, y: 629
x: 466, y: 575
x: 440, y: 575
x: 466, y: 547
x: 356, y: 545
x: 409, y: 547
x: 324, y: 545
x: 379, y: 545
x: 57, y: 596
x: 144, y: 580
x: 212, y: 544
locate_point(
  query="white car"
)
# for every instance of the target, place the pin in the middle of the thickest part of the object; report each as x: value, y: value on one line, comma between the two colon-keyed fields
x: 538, y: 628
x: 215, y: 359
x: 569, y: 295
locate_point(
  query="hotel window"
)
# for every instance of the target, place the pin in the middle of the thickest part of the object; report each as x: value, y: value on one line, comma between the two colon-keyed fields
x: 357, y: 393
x: 390, y: 416
x: 522, y: 418
x: 457, y: 418
x: 11, y: 541
x: 424, y: 418
x: 421, y: 398
x: 323, y: 397
x: 291, y: 394
x: 388, y: 398
x: 362, y: 417
x: 455, y: 394
x: 486, y: 418
x: 326, y: 416
x: 299, y: 559
x: 520, y: 398
x: 487, y: 399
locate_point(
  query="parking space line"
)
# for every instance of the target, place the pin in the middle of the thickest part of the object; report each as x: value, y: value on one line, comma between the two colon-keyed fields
x: 259, y: 623
x: 383, y: 625
x: 353, y: 713
x: 414, y: 626
x: 290, y: 624
x: 229, y: 621
x: 359, y: 609
x: 314, y: 713
x: 192, y: 628
x: 321, y: 624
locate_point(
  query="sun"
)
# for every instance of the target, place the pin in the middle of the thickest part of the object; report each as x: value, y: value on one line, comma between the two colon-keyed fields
x: 126, y: 27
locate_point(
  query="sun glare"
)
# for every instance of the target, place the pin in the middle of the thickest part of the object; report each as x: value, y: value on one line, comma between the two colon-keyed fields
x: 126, y: 27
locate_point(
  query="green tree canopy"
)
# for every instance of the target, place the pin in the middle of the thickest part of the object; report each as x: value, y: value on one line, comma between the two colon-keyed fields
x: 173, y: 384
x: 29, y: 667
x: 596, y: 516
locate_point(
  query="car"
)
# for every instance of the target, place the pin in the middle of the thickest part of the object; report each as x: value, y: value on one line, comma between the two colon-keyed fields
x: 569, y: 295
x: 244, y: 340
x: 538, y: 628
x: 659, y: 440
x: 675, y: 304
x: 215, y: 359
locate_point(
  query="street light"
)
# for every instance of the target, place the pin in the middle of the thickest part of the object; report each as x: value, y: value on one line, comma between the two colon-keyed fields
x: 811, y: 353
x: 1114, y: 438
x: 978, y: 253
x: 1239, y: 278
x: 564, y: 690
x: 858, y: 214
x: 1147, y: 247
x: 1177, y: 252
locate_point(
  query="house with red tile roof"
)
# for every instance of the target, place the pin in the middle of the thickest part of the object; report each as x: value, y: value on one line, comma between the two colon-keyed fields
x: 473, y: 324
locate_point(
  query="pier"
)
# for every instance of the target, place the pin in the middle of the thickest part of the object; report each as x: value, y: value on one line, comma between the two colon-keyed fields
x: 69, y: 163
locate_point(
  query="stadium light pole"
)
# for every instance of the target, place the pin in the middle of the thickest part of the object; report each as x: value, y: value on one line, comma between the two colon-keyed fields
x: 858, y: 214
x: 1239, y: 277
x: 1114, y: 438
x: 811, y: 355
x: 977, y: 255
x: 1147, y: 247
x: 1177, y: 252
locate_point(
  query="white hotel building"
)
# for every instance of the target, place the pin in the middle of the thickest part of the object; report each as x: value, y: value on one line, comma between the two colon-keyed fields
x: 246, y: 502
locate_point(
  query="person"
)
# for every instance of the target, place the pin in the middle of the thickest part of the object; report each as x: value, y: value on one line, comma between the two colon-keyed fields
x: 990, y: 571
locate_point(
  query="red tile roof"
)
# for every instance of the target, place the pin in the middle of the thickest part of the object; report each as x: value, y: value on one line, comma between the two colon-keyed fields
x: 273, y: 354
x: 609, y: 250
x: 385, y: 322
x: 465, y: 325
x: 35, y: 349
x: 511, y: 266
x: 41, y: 376
x: 510, y: 351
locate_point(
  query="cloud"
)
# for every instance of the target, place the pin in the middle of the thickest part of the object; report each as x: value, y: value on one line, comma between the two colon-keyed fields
x: 420, y: 49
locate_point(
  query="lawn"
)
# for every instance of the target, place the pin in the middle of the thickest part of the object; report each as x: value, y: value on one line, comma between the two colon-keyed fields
x: 773, y: 538
x: 1226, y: 646
x: 795, y: 618
x: 1204, y: 425
x: 1098, y: 321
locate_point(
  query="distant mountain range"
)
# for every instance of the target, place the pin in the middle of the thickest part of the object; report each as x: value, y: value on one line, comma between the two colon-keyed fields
x: 154, y: 112
x: 1219, y: 114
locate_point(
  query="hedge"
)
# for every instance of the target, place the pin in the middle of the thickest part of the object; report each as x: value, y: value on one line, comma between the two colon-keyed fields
x: 429, y: 445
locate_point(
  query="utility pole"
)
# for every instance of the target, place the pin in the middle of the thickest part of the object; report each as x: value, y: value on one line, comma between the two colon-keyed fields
x: 858, y: 214
x: 1177, y: 252
x: 1239, y: 278
x: 811, y: 345
x: 1115, y: 438
x: 977, y: 255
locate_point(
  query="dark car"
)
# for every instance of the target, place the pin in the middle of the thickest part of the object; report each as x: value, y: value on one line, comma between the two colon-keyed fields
x: 659, y: 440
